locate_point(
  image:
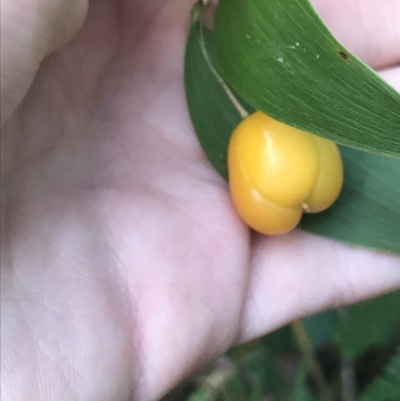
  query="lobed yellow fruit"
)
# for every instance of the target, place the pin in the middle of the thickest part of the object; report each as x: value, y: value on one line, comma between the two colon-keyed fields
x: 276, y: 172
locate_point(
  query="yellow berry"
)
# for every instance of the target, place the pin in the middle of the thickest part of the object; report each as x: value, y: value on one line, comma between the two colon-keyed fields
x: 273, y: 155
x: 277, y: 171
x: 329, y: 179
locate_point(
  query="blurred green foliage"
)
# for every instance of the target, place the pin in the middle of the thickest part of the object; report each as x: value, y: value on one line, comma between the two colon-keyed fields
x: 361, y: 341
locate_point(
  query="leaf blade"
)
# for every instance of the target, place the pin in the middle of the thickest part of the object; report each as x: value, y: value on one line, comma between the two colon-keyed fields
x: 367, y: 324
x: 196, y: 79
x: 385, y: 387
x: 367, y: 212
x: 280, y: 57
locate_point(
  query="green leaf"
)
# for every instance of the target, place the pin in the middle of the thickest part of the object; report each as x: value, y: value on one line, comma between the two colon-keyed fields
x: 301, y: 391
x: 198, y: 395
x: 280, y: 341
x: 368, y: 323
x: 257, y: 365
x: 266, y: 375
x: 281, y: 58
x: 367, y: 212
x: 320, y: 327
x: 387, y: 386
x: 212, y: 112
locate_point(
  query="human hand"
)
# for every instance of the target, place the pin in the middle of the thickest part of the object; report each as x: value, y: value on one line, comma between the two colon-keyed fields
x: 124, y: 265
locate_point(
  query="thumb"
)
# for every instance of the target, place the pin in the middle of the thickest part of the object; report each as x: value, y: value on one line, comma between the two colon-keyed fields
x: 30, y: 30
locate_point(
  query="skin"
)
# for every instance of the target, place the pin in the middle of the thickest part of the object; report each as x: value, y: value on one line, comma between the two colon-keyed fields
x: 124, y: 265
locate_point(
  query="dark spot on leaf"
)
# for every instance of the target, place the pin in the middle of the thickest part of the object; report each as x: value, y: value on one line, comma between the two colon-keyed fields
x: 343, y: 55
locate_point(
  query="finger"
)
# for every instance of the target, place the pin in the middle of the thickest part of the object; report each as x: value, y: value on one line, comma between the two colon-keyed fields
x: 370, y: 29
x: 31, y: 29
x: 392, y: 76
x: 301, y: 274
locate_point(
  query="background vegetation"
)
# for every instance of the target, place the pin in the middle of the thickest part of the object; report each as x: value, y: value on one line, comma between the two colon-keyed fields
x: 349, y: 354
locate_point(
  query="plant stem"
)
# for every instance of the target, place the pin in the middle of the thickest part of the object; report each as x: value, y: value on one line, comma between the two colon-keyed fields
x: 347, y: 375
x: 314, y: 367
x: 347, y: 378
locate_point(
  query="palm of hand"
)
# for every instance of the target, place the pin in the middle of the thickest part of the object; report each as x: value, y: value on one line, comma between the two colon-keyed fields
x: 137, y: 261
